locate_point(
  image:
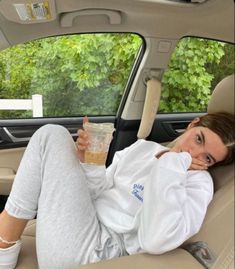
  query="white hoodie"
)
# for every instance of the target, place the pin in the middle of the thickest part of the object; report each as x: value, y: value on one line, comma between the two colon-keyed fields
x: 154, y: 204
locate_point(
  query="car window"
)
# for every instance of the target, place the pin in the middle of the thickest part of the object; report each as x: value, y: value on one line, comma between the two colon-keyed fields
x: 70, y: 75
x: 196, y: 66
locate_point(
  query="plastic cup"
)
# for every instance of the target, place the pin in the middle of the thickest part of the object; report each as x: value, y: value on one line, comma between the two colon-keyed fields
x: 100, y: 136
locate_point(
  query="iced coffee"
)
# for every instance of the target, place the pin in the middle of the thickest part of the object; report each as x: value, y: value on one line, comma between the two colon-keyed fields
x: 100, y: 136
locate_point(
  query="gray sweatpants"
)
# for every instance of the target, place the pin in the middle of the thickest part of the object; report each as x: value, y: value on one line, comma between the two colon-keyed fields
x: 51, y: 185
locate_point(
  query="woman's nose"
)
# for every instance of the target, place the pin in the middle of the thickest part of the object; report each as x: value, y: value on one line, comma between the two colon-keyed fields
x: 196, y: 152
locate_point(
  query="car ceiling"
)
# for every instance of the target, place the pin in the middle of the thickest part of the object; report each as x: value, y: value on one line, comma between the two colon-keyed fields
x: 150, y: 18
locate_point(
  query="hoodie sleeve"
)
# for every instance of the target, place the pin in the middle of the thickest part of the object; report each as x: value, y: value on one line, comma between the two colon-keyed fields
x: 99, y: 178
x: 175, y: 203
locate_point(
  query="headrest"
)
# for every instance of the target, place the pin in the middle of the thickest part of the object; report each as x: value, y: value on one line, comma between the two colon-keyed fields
x: 222, y: 98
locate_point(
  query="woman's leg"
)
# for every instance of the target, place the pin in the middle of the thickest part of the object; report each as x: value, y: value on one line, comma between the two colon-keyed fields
x: 11, y: 228
x: 50, y: 183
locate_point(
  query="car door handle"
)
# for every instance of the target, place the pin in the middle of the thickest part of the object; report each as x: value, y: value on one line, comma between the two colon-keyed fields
x: 180, y: 131
x: 6, y: 136
x: 67, y: 19
x: 175, y: 128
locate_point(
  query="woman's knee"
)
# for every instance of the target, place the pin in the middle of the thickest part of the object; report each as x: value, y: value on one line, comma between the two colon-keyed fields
x: 53, y: 132
x: 53, y: 129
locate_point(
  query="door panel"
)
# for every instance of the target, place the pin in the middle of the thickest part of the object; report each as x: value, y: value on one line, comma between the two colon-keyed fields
x: 166, y: 128
x: 9, y: 163
x: 15, y: 135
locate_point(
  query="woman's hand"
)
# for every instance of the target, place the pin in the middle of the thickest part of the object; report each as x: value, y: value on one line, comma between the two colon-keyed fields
x: 196, y: 164
x: 82, y: 141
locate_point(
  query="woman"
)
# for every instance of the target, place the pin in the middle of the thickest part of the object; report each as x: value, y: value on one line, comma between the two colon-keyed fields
x: 150, y: 199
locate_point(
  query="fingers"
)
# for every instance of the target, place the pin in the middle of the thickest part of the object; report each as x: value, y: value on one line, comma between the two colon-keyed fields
x: 82, y: 140
x: 80, y: 131
x: 198, y: 165
x: 85, y: 119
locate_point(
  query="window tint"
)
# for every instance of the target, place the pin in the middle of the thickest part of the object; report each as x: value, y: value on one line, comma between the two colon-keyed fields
x: 196, y: 66
x: 75, y: 74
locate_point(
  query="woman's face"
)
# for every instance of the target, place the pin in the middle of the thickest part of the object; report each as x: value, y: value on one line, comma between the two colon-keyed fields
x: 202, y: 144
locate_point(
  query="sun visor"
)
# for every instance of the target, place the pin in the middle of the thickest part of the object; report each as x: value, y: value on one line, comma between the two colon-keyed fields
x: 28, y: 12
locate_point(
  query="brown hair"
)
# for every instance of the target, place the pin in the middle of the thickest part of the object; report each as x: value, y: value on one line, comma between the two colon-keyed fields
x: 223, y: 124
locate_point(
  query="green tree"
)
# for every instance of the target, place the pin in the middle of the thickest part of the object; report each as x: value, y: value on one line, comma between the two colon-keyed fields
x: 86, y: 74
x: 226, y: 65
x: 16, y: 65
x: 77, y: 75
x: 187, y: 82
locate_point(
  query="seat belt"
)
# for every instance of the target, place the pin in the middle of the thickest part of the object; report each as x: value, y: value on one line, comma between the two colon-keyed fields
x: 205, y: 256
x: 151, y: 103
x: 202, y: 253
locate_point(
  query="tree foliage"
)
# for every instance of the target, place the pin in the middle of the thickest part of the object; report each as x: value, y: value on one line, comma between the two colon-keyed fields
x: 86, y: 74
x: 187, y: 82
x: 77, y: 75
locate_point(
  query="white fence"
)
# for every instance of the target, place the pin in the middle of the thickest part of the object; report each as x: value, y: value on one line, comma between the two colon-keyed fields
x: 34, y: 104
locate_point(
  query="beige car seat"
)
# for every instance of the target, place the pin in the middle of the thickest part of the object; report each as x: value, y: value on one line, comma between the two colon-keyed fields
x: 218, y: 228
x: 216, y: 235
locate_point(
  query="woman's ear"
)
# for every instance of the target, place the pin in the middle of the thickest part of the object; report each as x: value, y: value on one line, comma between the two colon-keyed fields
x: 193, y: 122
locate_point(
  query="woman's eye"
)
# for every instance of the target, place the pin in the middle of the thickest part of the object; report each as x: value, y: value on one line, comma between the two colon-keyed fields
x: 198, y: 139
x: 208, y: 159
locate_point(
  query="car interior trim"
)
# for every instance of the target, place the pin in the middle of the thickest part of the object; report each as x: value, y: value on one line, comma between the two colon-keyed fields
x: 68, y: 18
x: 152, y: 100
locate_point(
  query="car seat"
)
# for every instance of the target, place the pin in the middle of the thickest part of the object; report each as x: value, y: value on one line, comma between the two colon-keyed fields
x: 212, y: 247
x: 217, y: 231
